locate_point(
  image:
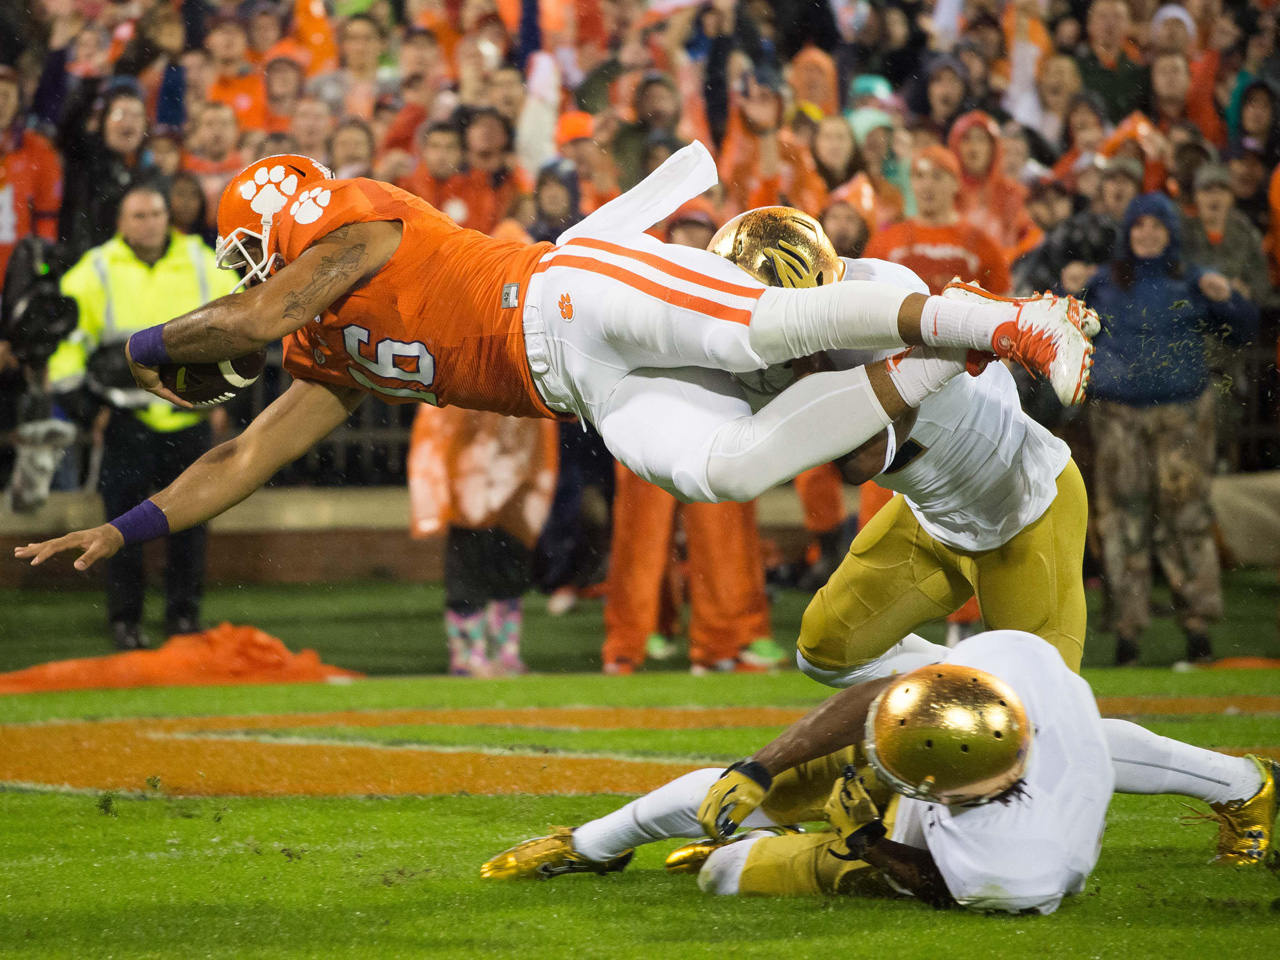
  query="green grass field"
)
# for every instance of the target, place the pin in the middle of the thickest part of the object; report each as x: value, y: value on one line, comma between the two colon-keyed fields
x: 146, y: 874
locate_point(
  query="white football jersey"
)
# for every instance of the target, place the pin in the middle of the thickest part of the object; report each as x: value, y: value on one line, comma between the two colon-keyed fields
x: 1025, y: 853
x: 976, y: 470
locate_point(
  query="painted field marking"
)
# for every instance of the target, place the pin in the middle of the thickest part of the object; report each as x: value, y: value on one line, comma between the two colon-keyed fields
x: 189, y: 756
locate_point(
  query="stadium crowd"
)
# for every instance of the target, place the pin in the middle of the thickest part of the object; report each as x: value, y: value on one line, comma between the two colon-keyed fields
x: 1119, y: 149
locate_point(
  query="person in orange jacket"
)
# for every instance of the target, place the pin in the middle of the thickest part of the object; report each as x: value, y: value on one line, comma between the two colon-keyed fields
x: 729, y: 626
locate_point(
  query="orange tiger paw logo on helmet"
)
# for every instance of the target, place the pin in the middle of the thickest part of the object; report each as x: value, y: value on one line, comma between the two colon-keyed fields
x: 566, y: 307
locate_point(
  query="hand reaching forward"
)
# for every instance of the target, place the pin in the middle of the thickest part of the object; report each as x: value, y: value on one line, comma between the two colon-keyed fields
x: 96, y: 544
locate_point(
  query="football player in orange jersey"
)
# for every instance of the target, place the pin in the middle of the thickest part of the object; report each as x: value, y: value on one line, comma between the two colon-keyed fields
x: 374, y: 291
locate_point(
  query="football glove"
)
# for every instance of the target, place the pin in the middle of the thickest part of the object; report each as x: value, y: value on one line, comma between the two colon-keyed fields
x: 849, y: 808
x: 740, y: 790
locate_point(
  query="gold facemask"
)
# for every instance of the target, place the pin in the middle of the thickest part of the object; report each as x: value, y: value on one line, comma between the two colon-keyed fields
x: 780, y: 247
x: 948, y: 734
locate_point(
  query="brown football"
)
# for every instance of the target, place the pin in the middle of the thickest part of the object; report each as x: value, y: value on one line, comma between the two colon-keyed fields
x: 208, y: 384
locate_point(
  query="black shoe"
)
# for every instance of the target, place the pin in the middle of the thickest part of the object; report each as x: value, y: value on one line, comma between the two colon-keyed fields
x: 1199, y: 649
x: 182, y: 625
x: 1126, y: 652
x: 127, y: 636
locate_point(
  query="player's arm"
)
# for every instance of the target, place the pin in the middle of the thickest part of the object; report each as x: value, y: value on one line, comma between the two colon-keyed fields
x: 834, y: 724
x: 301, y: 417
x: 240, y: 323
x: 912, y: 869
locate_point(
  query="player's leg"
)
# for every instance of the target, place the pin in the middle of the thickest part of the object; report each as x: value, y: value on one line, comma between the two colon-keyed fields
x: 668, y: 812
x: 1034, y: 583
x: 894, y: 578
x: 691, y: 431
x: 1240, y: 791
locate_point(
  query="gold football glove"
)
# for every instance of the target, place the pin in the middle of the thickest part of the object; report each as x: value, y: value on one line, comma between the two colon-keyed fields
x: 740, y: 789
x: 849, y: 807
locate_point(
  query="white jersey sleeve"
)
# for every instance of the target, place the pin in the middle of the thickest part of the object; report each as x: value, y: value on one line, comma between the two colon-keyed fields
x: 1026, y: 852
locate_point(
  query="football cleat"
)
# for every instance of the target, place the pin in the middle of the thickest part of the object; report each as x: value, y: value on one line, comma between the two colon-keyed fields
x: 545, y: 857
x: 763, y: 652
x: 691, y: 857
x: 1245, y: 826
x: 1048, y: 335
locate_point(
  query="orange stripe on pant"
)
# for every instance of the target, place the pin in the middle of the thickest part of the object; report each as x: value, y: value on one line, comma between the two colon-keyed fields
x: 728, y: 605
x: 670, y: 268
x: 676, y: 298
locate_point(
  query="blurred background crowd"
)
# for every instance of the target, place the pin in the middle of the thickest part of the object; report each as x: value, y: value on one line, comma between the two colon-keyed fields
x: 1119, y: 149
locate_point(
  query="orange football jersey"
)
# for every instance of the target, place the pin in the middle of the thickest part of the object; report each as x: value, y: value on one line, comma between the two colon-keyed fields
x: 440, y: 323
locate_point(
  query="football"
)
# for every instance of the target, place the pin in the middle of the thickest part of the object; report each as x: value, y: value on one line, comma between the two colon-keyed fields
x: 209, y: 384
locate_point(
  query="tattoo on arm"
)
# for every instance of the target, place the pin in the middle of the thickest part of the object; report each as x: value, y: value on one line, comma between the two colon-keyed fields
x: 300, y: 305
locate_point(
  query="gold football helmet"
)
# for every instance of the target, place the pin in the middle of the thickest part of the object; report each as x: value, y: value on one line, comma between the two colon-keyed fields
x: 780, y: 247
x: 948, y: 734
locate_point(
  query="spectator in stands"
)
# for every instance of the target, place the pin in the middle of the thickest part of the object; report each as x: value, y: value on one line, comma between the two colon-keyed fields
x: 846, y: 228
x: 835, y: 152
x: 1087, y: 239
x: 353, y: 89
x: 937, y: 243
x: 236, y: 81
x: 284, y: 82
x: 495, y: 180
x: 1108, y: 63
x: 556, y: 198
x: 144, y: 275
x: 30, y: 175
x: 1219, y: 237
x: 188, y: 207
x: 947, y: 92
x: 351, y: 149
x: 1259, y: 123
x: 1249, y: 181
x: 212, y: 155
x: 102, y: 152
x: 311, y: 126
x: 988, y: 199
x: 657, y: 111
x: 438, y: 175
x: 1154, y: 444
x: 1049, y: 204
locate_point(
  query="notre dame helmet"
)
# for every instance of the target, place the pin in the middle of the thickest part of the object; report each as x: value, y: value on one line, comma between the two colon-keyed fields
x: 780, y: 247
x: 948, y: 734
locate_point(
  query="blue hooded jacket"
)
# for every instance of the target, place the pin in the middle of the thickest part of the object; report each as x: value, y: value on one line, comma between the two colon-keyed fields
x: 1151, y: 349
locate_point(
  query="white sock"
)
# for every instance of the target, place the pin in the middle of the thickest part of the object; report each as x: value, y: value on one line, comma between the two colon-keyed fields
x: 813, y: 421
x: 857, y: 315
x: 961, y: 323
x: 722, y: 872
x: 909, y: 653
x: 1145, y: 762
x: 669, y: 811
x: 923, y: 371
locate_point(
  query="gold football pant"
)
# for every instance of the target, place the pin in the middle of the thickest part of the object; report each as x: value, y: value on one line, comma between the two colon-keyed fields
x: 807, y: 864
x: 897, y: 577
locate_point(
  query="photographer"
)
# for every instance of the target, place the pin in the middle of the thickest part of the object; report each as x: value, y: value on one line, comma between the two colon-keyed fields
x: 146, y: 274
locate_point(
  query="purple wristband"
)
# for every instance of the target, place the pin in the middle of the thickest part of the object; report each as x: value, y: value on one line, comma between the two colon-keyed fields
x: 144, y: 522
x: 146, y: 347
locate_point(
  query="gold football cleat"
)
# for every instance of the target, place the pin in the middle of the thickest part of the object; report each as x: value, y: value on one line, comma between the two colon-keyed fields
x: 1245, y: 826
x: 544, y: 857
x: 691, y: 857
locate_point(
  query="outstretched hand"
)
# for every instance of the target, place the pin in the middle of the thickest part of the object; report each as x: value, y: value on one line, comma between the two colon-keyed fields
x: 96, y: 544
x: 148, y: 378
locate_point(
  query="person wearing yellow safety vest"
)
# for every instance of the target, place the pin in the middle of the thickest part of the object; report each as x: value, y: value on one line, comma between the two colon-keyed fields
x: 146, y: 274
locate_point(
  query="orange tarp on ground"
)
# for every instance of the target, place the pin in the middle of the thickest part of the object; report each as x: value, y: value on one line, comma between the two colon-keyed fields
x: 223, y: 655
